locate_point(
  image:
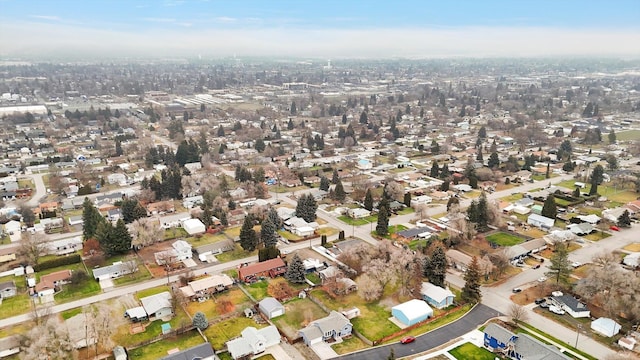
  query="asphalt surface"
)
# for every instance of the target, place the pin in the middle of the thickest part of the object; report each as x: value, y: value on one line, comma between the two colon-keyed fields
x: 474, y: 318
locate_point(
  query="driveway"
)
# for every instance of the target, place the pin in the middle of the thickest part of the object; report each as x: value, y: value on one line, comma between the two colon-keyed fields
x: 323, y: 350
x: 476, y: 317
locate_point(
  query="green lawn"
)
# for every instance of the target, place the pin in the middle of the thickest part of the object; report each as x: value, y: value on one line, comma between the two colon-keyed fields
x: 298, y: 313
x: 124, y: 338
x: 258, y: 289
x: 71, y: 292
x: 219, y: 333
x: 152, y: 291
x: 289, y: 236
x: 233, y: 232
x: 314, y: 278
x: 206, y: 239
x: 349, y: 221
x: 327, y: 231
x: 504, y: 239
x: 236, y: 254
x: 159, y: 349
x: 16, y: 305
x: 468, y: 351
x: 628, y: 135
x: 349, y: 345
x: 175, y: 233
x: 66, y: 315
x: 141, y: 275
x: 405, y: 211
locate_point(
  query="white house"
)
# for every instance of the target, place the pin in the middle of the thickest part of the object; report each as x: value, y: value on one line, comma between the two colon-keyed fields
x: 571, y: 305
x: 420, y: 200
x: 183, y: 250
x: 632, y: 260
x: 192, y: 201
x: 253, y: 342
x: 358, y: 213
x: 117, y: 178
x: 14, y: 229
x: 173, y: 220
x: 158, y: 305
x: 65, y: 246
x: 334, y: 326
x: 194, y: 166
x: 540, y: 221
x: 194, y: 226
x: 115, y: 270
x: 606, y: 327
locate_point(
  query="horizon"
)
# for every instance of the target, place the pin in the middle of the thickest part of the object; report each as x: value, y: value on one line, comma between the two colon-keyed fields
x: 331, y: 30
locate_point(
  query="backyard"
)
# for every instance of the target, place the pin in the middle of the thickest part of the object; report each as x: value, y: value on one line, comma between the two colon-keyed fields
x: 161, y: 348
x: 298, y: 314
x: 221, y: 332
x: 504, y: 239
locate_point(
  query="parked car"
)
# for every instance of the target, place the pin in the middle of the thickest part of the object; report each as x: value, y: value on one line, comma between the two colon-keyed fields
x: 576, y: 264
x: 407, y: 340
x: 542, y: 279
x: 614, y: 228
x: 539, y: 301
x: 536, y: 266
x: 516, y: 290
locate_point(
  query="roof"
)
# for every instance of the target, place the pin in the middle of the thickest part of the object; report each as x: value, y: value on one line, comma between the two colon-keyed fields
x: 499, y: 333
x: 571, y: 302
x: 56, y: 276
x: 242, y: 346
x: 156, y: 302
x: 117, y: 267
x: 210, y: 282
x: 136, y: 312
x: 260, y: 267
x: 332, y: 322
x: 7, y: 285
x: 532, y: 349
x: 202, y: 351
x: 435, y: 292
x: 411, y: 233
x: 608, y: 326
x: 413, y: 308
x: 268, y: 304
x: 542, y: 219
x: 311, y: 332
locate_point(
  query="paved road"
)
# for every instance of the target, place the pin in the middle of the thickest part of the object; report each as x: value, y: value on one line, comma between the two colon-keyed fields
x: 474, y: 318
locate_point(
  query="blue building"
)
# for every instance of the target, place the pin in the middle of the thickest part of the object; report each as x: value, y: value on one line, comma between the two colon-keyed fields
x: 519, y: 347
x: 412, y: 312
x: 436, y: 296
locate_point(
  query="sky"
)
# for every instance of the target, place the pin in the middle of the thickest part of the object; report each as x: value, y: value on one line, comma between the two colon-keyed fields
x: 319, y: 29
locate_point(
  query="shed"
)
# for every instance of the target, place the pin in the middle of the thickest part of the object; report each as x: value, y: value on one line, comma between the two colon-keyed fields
x: 437, y: 296
x: 605, y: 326
x: 119, y: 353
x: 271, y: 307
x: 412, y: 312
x: 194, y: 226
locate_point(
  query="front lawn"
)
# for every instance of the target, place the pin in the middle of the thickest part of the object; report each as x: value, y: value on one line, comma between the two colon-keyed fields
x: 152, y: 291
x: 161, y: 348
x: 221, y: 304
x: 405, y: 211
x: 175, y: 233
x: 142, y: 274
x: 327, y: 231
x: 468, y: 351
x: 289, y: 236
x: 206, y: 239
x: 635, y: 247
x: 15, y: 305
x: 349, y: 345
x: 258, y: 289
x: 237, y: 253
x: 504, y: 239
x: 350, y: 221
x: 71, y: 292
x: 123, y: 336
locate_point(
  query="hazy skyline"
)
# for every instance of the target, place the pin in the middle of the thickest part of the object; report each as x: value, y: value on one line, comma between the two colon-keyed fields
x: 328, y: 29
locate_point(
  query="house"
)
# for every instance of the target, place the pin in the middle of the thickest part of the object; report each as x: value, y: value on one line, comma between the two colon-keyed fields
x: 334, y: 326
x: 194, y: 226
x: 605, y: 326
x: 358, y: 213
x: 115, y: 270
x: 328, y: 273
x: 540, y: 221
x: 285, y: 213
x: 109, y: 198
x: 410, y: 234
x: 461, y: 261
x: 613, y: 214
x: 65, y: 246
x: 114, y: 214
x: 193, y: 167
x: 584, y: 228
x: 8, y: 289
x: 205, y: 287
x: 571, y: 305
x: 627, y: 342
x: 420, y: 200
x: 75, y: 220
x: 300, y: 227
x: 412, y: 312
x: 14, y: 229
x: 51, y: 282
x: 520, y: 346
x: 160, y: 208
x: 206, y: 253
x: 632, y: 260
x: 51, y: 223
x: 181, y: 250
x: 201, y: 352
x: 192, y: 201
x: 174, y: 220
x: 253, y: 342
x: 136, y: 314
x: 529, y: 247
x: 158, y: 305
x: 117, y: 178
x: 591, y: 218
x: 436, y: 296
x: 271, y: 268
x: 270, y: 307
x: 462, y: 187
x: 346, y: 285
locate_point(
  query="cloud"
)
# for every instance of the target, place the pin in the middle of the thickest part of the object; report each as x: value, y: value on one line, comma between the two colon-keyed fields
x: 189, y: 40
x: 46, y: 17
x: 225, y: 19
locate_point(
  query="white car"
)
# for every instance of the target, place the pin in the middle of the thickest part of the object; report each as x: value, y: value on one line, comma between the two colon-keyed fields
x: 576, y: 264
x: 556, y: 310
x: 542, y: 279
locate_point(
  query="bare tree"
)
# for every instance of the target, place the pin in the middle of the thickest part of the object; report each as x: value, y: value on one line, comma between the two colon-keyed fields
x: 394, y: 189
x: 47, y: 340
x: 32, y: 247
x: 369, y: 288
x: 145, y: 232
x: 500, y: 261
x: 517, y: 313
x: 39, y: 314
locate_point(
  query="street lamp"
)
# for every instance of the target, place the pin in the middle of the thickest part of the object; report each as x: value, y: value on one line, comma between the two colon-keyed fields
x: 578, y: 334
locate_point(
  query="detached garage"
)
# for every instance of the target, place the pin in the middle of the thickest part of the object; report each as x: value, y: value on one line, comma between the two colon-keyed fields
x: 194, y: 226
x: 412, y: 312
x: 605, y: 327
x: 271, y: 307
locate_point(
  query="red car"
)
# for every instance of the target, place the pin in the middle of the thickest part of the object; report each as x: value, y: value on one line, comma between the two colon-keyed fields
x: 614, y: 228
x: 407, y: 340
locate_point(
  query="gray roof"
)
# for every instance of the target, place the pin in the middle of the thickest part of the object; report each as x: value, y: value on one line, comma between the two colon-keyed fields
x: 7, y: 285
x: 532, y: 349
x: 498, y: 332
x: 202, y: 351
x: 333, y: 322
x: 269, y: 304
x: 571, y: 302
x: 411, y: 233
x: 120, y: 267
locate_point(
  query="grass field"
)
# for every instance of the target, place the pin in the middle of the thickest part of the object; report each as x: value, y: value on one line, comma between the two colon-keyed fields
x: 205, y: 239
x: 298, y: 314
x: 15, y: 305
x: 152, y: 291
x: 219, y: 333
x: 468, y: 351
x: 635, y: 247
x: 327, y: 231
x: 238, y: 253
x: 349, y: 345
x: 160, y: 349
x: 123, y: 336
x: 358, y: 222
x: 628, y: 135
x: 258, y: 289
x: 141, y: 275
x: 214, y: 307
x: 504, y: 239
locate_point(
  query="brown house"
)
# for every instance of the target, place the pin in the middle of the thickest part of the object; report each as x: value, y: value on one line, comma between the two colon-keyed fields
x: 253, y: 272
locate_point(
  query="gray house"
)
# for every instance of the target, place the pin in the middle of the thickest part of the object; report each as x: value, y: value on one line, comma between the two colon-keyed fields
x: 201, y: 352
x: 334, y: 326
x: 8, y: 289
x: 271, y: 307
x: 115, y: 270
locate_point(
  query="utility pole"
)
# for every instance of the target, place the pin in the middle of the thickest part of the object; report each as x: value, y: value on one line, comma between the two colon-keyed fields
x: 578, y: 334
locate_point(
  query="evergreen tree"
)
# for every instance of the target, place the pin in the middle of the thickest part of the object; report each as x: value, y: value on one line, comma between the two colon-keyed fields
x: 483, y: 217
x: 121, y: 238
x: 479, y: 156
x: 368, y: 200
x: 259, y: 145
x: 268, y: 253
x: 295, y: 270
x: 494, y: 161
x: 323, y: 240
x: 482, y: 133
x: 444, y: 173
x: 435, y: 147
x: 471, y: 290
x: 335, y: 177
x: 106, y: 237
x: 294, y: 109
x: 560, y: 268
x: 344, y: 119
x: 339, y: 193
x: 200, y: 320
x: 435, y: 170
x: 473, y: 182
x: 549, y: 209
x: 306, y: 208
x: 612, y: 137
x: 576, y: 193
x: 382, y: 228
x: 268, y: 234
x: 324, y: 183
x: 91, y: 218
x: 452, y: 201
x: 220, y: 131
x: 407, y: 199
x: 290, y: 125
x: 548, y: 172
x: 624, y: 220
x: 248, y: 237
x: 445, y: 185
x: 435, y: 266
x: 363, y: 118
x: 132, y: 210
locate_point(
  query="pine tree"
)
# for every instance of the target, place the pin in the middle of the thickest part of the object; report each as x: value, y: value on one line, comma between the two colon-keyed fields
x: 382, y: 228
x: 483, y: 218
x: 339, y: 191
x: 407, y: 199
x: 306, y: 208
x: 368, y: 200
x: 268, y: 233
x: 549, y: 209
x: 91, y: 218
x: 295, y: 270
x: 560, y: 268
x: 324, y: 183
x: 335, y: 177
x: 435, y: 265
x: 248, y: 237
x: 435, y: 147
x: 494, y: 161
x: 471, y: 290
x: 445, y: 186
x: 612, y: 137
x: 624, y: 220
x: 200, y: 320
x: 482, y: 133
x: 435, y: 170
x: 122, y: 238
x: 294, y: 109
x: 105, y: 236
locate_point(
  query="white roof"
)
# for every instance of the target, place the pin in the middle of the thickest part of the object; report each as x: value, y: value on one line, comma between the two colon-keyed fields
x: 435, y: 292
x: 414, y: 308
x: 137, y: 313
x: 181, y: 245
x: 156, y: 302
x: 605, y: 326
x: 632, y: 260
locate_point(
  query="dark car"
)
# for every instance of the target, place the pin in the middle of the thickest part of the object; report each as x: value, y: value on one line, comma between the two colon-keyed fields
x: 540, y: 301
x: 516, y: 290
x: 407, y: 340
x: 536, y: 266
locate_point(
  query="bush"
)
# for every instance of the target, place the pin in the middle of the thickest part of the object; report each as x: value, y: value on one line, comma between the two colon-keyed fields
x: 341, y: 235
x: 60, y: 261
x: 200, y: 321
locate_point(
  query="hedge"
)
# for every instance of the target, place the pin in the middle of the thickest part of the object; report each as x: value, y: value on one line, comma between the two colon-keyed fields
x: 60, y: 261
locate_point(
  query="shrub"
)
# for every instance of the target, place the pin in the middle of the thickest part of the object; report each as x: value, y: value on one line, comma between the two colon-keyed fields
x: 60, y: 261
